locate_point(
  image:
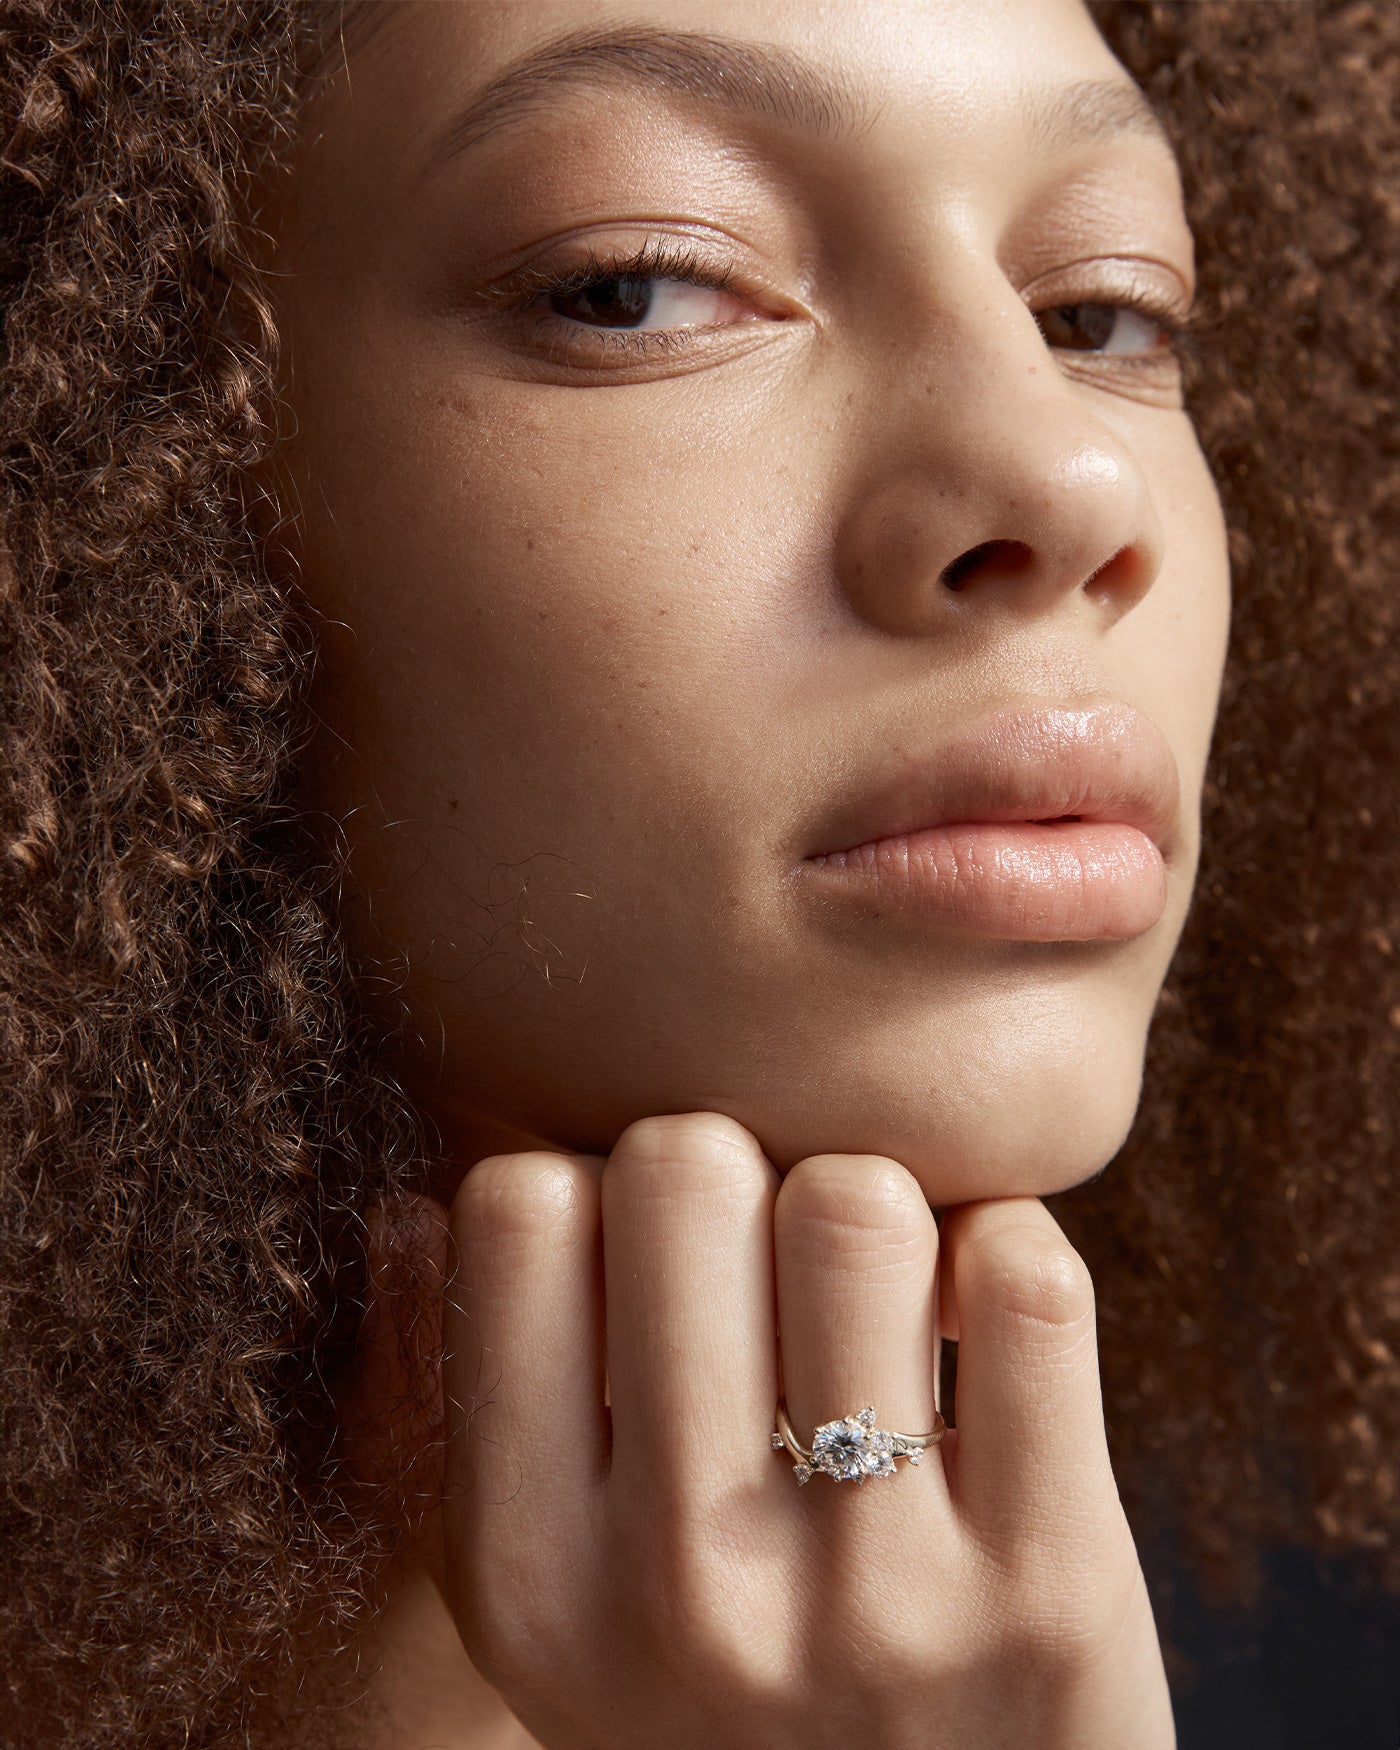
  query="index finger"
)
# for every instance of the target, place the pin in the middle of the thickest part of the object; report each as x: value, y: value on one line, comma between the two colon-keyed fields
x: 523, y: 1354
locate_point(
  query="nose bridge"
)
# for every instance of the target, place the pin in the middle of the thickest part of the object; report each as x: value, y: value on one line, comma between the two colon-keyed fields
x: 990, y: 469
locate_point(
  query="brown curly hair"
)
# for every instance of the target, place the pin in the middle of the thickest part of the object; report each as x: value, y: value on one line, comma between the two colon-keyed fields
x: 194, y: 1115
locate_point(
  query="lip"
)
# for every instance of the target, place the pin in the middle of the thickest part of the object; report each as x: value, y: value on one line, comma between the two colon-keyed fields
x: 925, y: 837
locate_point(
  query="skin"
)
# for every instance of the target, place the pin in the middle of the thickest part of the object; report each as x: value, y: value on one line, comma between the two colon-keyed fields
x: 602, y: 644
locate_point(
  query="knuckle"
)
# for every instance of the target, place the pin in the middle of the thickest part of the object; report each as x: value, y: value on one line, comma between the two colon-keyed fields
x: 510, y: 1648
x: 703, y: 1143
x: 1037, y: 1280
x: 864, y: 1205
x: 501, y: 1627
x: 898, y: 1662
x: 1061, y: 1602
x: 521, y: 1196
x: 862, y: 1188
x: 1066, y: 1633
x: 700, y: 1626
x: 690, y: 1597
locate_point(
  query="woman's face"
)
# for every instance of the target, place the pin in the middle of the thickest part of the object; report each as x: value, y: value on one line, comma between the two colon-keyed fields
x: 636, y: 590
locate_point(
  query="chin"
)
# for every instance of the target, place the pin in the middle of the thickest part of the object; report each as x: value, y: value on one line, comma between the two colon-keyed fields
x: 1018, y: 1112
x: 989, y: 1087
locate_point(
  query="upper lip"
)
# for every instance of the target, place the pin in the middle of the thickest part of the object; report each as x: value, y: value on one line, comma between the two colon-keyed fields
x: 1104, y: 762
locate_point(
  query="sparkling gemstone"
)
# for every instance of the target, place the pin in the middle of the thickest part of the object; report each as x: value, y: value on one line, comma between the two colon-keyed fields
x: 852, y: 1449
x: 802, y: 1472
x: 778, y: 1443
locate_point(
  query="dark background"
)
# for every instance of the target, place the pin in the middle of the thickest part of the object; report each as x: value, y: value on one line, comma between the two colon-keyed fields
x: 1315, y: 1667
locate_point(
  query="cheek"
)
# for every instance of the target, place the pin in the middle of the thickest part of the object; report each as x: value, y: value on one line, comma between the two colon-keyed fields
x: 546, y: 614
x: 547, y: 661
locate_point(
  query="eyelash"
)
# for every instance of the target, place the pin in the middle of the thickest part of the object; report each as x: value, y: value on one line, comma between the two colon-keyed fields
x: 662, y: 260
x: 655, y: 260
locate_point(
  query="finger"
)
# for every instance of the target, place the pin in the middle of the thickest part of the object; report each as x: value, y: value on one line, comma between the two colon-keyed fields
x: 523, y: 1355
x: 1031, y: 1450
x: 857, y: 1250
x: 692, y: 1346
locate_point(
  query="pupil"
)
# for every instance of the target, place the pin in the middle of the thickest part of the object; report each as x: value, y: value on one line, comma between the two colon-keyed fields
x: 1085, y: 326
x: 619, y: 303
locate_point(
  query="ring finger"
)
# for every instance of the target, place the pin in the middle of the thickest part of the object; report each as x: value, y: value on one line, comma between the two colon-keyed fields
x: 856, y: 1254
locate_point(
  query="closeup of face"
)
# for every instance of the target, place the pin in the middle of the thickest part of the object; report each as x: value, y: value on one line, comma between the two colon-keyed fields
x: 722, y: 434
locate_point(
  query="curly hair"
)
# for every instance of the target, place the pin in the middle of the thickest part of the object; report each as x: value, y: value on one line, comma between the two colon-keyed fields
x: 194, y: 1114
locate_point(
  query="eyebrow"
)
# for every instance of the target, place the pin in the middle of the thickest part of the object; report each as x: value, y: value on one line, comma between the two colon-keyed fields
x: 1089, y: 110
x: 758, y: 79
x: 748, y: 78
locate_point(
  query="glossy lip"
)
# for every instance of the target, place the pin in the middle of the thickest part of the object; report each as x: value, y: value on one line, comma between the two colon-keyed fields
x: 1103, y: 763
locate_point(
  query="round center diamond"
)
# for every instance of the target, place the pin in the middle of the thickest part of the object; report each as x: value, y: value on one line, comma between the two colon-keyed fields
x: 851, y: 1449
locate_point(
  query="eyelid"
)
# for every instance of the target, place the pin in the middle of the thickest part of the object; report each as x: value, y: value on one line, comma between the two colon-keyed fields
x: 1117, y: 279
x: 1148, y: 286
x: 659, y: 257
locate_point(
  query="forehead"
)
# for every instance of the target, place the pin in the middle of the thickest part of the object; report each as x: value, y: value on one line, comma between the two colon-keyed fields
x: 442, y: 76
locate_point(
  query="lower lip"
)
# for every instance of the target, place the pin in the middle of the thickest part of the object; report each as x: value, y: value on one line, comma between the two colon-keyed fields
x: 1022, y: 881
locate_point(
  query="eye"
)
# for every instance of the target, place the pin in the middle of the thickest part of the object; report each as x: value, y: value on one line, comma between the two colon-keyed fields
x: 1133, y: 330
x: 635, y: 301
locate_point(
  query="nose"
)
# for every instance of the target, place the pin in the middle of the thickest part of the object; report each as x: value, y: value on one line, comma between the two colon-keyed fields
x: 994, y: 479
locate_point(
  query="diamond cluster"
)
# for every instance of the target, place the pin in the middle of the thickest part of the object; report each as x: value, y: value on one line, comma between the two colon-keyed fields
x: 853, y: 1449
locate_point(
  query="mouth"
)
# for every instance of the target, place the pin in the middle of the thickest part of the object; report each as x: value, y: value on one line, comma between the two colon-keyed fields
x: 1038, y: 824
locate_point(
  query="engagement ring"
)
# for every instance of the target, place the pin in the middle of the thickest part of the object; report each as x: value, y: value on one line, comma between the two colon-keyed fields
x: 853, y: 1448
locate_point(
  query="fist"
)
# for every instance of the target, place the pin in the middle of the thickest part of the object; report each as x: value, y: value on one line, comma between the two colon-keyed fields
x: 630, y: 1562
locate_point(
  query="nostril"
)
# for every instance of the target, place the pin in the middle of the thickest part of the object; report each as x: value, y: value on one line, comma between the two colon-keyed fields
x: 954, y: 573
x: 1123, y: 569
x: 1008, y: 556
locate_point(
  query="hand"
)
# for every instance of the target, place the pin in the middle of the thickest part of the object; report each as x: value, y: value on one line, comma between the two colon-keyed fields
x: 652, y: 1574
